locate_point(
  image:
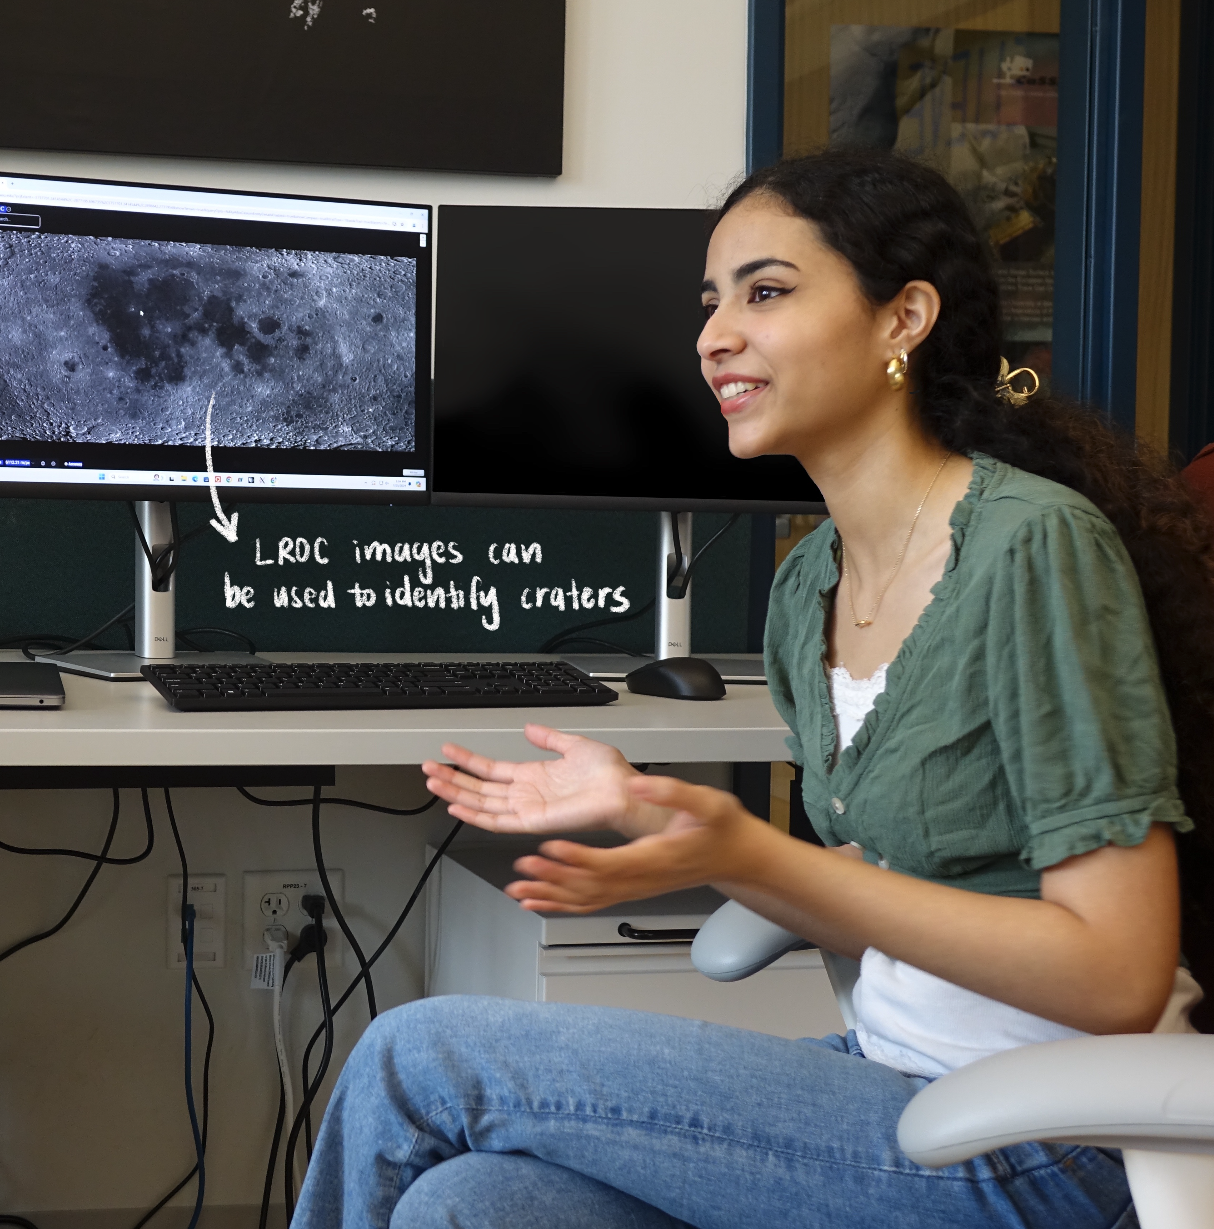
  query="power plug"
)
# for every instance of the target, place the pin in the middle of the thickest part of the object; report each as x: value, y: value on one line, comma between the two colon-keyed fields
x: 307, y: 941
x: 273, y: 898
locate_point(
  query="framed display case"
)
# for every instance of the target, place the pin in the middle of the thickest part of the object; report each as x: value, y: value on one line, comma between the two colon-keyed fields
x: 1057, y: 121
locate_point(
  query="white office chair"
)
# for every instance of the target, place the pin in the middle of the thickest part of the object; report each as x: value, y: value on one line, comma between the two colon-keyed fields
x: 1151, y: 1095
x: 735, y: 943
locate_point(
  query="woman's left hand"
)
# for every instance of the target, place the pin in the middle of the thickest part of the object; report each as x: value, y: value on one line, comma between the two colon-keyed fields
x: 708, y: 839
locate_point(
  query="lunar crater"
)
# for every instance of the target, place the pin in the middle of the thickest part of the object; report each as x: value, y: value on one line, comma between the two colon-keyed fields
x: 304, y: 349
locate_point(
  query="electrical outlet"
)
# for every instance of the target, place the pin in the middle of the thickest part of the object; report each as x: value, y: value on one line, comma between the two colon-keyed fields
x: 273, y: 897
x: 208, y: 895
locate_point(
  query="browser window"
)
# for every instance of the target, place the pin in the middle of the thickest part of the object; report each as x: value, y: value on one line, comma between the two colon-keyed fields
x: 139, y: 323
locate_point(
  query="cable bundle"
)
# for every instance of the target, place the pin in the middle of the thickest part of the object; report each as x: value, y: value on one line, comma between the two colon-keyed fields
x: 310, y: 943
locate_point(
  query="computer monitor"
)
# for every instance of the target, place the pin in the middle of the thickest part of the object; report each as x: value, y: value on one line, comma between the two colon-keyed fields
x: 566, y: 372
x: 139, y: 324
x: 125, y: 309
x: 566, y: 376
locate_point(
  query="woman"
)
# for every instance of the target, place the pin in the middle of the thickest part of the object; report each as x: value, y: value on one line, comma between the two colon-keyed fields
x: 966, y: 661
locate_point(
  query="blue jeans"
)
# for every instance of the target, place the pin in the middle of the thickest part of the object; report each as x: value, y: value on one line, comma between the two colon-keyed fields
x: 481, y: 1113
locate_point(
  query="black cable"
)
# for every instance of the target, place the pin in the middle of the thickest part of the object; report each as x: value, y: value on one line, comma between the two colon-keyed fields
x: 338, y: 916
x: 565, y: 641
x: 392, y: 933
x: 192, y: 985
x: 18, y: 1220
x: 554, y: 642
x: 326, y: 1056
x: 199, y: 1151
x: 99, y: 860
x: 336, y: 802
x: 400, y: 921
x: 164, y: 564
x: 92, y: 857
x: 79, y: 644
x: 379, y: 951
x: 157, y: 565
x: 316, y: 913
x: 350, y: 989
x: 45, y: 638
x: 218, y: 631
x: 314, y: 1085
x: 267, y: 1189
x: 677, y: 542
x: 695, y: 559
x: 51, y: 640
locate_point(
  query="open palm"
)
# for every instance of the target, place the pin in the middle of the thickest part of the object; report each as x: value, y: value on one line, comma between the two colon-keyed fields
x: 585, y: 789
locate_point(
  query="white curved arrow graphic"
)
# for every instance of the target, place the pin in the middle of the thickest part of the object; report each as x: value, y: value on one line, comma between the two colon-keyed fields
x: 223, y: 526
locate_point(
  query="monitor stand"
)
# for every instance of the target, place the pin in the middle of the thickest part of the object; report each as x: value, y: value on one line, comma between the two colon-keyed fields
x: 672, y: 618
x: 673, y: 613
x: 155, y: 617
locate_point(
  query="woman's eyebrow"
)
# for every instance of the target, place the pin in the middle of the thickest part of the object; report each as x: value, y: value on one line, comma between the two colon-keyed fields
x: 742, y: 272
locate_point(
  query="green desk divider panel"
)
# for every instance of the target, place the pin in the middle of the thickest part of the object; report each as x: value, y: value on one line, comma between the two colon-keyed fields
x: 332, y: 579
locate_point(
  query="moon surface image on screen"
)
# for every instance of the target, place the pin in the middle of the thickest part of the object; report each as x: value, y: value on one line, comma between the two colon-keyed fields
x: 124, y: 341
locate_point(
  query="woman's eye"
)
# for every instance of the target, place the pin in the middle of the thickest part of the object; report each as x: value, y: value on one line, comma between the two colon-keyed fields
x: 764, y: 294
x: 709, y: 308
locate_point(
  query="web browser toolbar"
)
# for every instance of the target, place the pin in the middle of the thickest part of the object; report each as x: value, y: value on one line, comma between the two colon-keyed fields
x: 18, y: 469
x: 132, y: 198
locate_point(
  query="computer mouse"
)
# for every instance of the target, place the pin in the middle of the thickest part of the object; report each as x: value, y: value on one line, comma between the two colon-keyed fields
x: 677, y: 678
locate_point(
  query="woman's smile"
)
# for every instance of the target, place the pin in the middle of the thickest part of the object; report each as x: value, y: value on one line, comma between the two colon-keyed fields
x: 737, y: 392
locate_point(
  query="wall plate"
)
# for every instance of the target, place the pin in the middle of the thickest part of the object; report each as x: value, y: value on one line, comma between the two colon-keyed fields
x: 209, y: 896
x: 274, y: 896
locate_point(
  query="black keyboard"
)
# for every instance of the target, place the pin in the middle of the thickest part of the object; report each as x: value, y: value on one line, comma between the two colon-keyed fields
x: 303, y: 686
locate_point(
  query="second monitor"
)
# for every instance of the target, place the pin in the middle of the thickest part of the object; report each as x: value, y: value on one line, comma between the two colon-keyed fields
x: 566, y: 372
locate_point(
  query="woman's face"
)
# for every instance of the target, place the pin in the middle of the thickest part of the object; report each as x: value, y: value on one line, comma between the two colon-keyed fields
x: 793, y: 349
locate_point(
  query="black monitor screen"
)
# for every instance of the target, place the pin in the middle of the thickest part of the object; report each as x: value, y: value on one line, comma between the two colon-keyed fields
x: 131, y: 315
x: 566, y: 370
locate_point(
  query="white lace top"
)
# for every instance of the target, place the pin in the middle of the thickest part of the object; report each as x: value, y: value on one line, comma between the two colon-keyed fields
x: 851, y: 700
x: 919, y: 1023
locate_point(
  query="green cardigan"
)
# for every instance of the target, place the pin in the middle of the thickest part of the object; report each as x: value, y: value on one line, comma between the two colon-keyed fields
x: 1023, y: 719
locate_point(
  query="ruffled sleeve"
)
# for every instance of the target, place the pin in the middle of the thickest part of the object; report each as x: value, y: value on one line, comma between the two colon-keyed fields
x: 1077, y: 703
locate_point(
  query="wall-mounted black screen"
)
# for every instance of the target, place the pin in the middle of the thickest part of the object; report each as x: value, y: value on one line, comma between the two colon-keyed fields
x: 458, y: 85
x: 566, y: 370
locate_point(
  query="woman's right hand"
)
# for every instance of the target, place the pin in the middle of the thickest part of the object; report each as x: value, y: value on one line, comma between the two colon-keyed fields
x: 584, y: 790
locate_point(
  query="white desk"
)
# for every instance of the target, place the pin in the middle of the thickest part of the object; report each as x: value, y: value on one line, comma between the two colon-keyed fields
x: 106, y: 724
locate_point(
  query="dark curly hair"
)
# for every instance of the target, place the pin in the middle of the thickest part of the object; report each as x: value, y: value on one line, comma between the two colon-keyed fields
x: 896, y: 220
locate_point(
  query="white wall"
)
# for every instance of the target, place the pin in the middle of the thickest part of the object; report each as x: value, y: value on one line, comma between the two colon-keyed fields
x: 91, y: 1106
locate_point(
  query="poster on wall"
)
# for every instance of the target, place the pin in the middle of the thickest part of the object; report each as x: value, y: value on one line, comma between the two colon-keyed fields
x: 982, y: 107
x: 465, y: 85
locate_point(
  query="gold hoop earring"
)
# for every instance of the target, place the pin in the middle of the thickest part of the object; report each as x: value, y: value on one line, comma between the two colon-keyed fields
x: 895, y: 371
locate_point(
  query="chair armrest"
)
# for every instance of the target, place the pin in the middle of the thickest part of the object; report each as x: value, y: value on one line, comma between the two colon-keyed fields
x: 735, y: 942
x: 1139, y: 1091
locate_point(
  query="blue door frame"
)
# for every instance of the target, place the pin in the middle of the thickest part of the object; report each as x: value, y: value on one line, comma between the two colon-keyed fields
x: 765, y: 84
x: 1099, y: 185
x: 1192, y: 425
x: 1100, y: 85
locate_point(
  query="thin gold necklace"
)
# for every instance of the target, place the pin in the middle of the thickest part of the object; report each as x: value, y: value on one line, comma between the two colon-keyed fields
x: 872, y: 614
